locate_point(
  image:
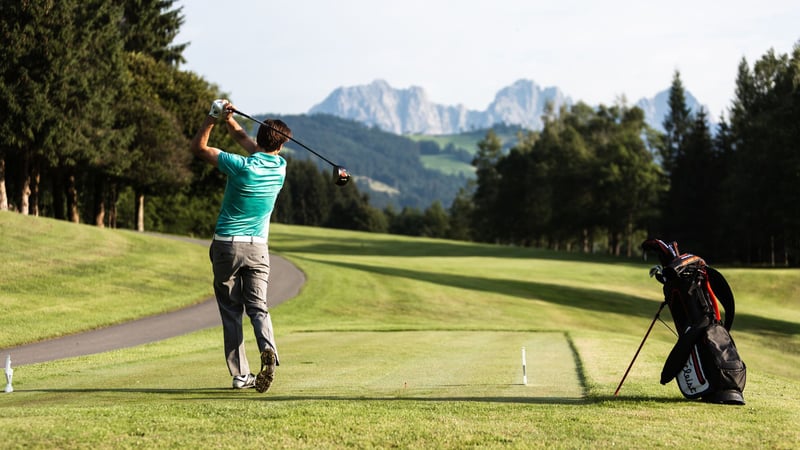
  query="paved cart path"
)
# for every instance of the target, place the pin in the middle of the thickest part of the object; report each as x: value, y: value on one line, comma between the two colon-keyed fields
x: 285, y: 281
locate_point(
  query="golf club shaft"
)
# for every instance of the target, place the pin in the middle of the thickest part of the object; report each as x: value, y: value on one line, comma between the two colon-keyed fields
x: 640, y: 348
x: 286, y: 135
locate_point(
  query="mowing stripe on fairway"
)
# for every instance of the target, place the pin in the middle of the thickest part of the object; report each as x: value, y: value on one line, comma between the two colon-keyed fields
x: 452, y: 365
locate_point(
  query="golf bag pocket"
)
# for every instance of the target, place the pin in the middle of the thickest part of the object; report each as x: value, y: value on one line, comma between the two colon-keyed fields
x: 713, y: 366
x: 729, y: 371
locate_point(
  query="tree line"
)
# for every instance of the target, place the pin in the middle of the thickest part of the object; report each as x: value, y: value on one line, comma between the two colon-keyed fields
x: 601, y: 179
x: 95, y: 104
x: 100, y: 114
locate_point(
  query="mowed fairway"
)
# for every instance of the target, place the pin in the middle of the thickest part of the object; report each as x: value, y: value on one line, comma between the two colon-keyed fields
x: 452, y: 365
x: 393, y: 342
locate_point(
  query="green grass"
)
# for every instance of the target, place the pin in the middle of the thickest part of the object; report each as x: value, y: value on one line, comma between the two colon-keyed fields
x: 447, y: 165
x: 464, y: 141
x: 59, y: 278
x: 411, y: 343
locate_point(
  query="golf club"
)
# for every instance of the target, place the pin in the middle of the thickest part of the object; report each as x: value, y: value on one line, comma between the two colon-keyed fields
x: 340, y: 174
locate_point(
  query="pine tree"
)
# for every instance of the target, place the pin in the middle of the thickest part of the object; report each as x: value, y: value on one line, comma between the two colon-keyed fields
x: 693, y: 189
x: 150, y: 27
x: 676, y: 124
x: 486, y: 191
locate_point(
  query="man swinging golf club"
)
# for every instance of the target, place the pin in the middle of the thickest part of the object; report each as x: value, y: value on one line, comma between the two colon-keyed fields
x: 239, y: 252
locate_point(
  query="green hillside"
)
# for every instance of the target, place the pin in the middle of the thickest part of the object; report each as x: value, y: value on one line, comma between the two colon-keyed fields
x: 393, y: 342
x: 455, y: 151
x: 386, y: 166
x: 397, y: 170
x: 59, y: 278
x: 468, y: 140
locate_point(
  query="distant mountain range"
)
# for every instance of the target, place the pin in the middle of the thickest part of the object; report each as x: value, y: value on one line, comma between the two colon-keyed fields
x: 409, y: 111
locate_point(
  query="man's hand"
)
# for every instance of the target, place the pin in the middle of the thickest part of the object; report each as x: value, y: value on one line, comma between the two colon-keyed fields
x: 219, y: 109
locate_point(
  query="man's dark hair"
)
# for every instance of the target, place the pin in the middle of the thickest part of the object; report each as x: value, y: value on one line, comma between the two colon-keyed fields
x: 274, y: 135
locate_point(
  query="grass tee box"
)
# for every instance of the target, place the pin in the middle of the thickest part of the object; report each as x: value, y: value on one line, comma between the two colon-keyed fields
x: 430, y: 364
x: 424, y: 365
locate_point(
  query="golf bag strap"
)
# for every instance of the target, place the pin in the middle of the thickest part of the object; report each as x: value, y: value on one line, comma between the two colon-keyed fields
x: 719, y: 287
x: 680, y: 352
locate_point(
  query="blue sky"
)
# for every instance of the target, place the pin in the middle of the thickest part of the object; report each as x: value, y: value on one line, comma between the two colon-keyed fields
x: 285, y: 57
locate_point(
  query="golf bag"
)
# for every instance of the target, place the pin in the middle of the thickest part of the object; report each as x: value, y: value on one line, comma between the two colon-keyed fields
x: 704, y: 361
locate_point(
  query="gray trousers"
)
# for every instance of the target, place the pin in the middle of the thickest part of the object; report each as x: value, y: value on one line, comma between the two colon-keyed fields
x: 241, y: 277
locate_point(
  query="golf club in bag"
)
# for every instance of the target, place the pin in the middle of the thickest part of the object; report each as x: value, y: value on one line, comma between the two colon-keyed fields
x: 340, y: 174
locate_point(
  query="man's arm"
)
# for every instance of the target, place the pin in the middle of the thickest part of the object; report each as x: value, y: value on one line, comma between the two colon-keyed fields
x: 200, y: 146
x: 240, y: 136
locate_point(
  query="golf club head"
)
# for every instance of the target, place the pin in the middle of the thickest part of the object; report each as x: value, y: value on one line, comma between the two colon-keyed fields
x: 340, y: 176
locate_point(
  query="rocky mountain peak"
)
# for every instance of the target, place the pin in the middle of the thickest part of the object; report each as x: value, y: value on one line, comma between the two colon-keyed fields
x: 410, y: 111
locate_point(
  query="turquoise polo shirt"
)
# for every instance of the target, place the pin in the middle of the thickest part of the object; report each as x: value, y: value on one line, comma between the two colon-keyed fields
x: 252, y: 187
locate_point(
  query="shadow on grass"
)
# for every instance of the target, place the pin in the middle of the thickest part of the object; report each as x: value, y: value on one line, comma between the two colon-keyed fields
x: 642, y: 399
x: 762, y: 325
x: 375, y: 246
x: 250, y: 395
x: 575, y: 297
x: 412, y: 398
x: 176, y: 391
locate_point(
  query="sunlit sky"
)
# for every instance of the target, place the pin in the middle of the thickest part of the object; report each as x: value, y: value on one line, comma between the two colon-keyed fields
x: 285, y: 57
